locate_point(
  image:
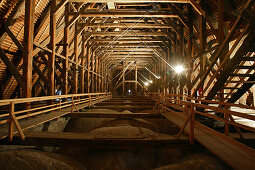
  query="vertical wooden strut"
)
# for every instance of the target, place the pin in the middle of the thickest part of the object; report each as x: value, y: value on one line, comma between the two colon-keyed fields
x: 65, y: 50
x: 88, y: 67
x: 28, y: 47
x: 75, y: 72
x: 190, y: 32
x: 123, y: 80
x: 135, y: 79
x: 51, y: 60
x: 82, y: 75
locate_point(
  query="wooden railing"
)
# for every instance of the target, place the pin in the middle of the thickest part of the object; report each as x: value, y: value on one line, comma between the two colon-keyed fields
x: 190, y: 107
x: 28, y: 107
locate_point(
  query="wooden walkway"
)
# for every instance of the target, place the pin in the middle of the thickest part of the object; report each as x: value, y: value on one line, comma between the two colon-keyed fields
x: 237, y: 155
x: 37, y: 120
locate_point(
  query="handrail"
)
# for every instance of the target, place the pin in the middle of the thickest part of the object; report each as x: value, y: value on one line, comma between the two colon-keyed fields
x: 201, y: 99
x: 76, y: 99
x: 34, y: 99
x: 189, y: 103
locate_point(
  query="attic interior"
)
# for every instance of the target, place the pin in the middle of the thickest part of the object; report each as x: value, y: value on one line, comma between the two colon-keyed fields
x: 134, y: 84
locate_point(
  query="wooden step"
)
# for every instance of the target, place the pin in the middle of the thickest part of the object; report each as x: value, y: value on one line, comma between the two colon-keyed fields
x: 248, y: 58
x: 245, y: 67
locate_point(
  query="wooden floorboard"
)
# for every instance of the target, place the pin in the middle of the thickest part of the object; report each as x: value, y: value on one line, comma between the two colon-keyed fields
x: 237, y: 155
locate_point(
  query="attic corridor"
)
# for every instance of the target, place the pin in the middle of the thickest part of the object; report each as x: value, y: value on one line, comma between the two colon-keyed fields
x: 121, y: 76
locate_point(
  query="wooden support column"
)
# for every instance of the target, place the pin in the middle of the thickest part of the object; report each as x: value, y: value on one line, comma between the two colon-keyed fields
x: 82, y: 74
x: 190, y: 54
x: 203, y: 37
x: 102, y: 73
x: 221, y: 36
x: 65, y: 50
x: 96, y: 76
x: 123, y: 80
x: 99, y: 78
x: 28, y: 47
x: 92, y: 73
x: 136, y: 80
x: 51, y: 58
x: 88, y: 68
x: 76, y: 55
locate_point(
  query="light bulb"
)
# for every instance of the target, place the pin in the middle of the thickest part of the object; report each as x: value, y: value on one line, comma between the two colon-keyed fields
x: 179, y: 69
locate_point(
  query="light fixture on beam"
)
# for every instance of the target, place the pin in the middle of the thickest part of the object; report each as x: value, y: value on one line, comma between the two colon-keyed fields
x: 179, y: 69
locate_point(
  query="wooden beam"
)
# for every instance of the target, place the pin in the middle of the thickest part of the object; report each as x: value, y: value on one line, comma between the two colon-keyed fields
x: 66, y: 51
x: 76, y: 55
x: 125, y: 14
x: 125, y: 40
x: 51, y: 57
x: 228, y: 69
x: 140, y: 33
x: 12, y: 69
x: 28, y: 47
x: 136, y: 92
x: 88, y: 68
x: 131, y: 1
x: 126, y: 25
x: 82, y: 74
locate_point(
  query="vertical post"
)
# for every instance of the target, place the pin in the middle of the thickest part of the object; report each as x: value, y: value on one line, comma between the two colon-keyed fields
x: 88, y: 68
x: 226, y: 117
x: 99, y: 78
x: 96, y: 76
x: 89, y: 101
x: 11, y: 123
x: 75, y: 72
x: 202, y: 25
x: 60, y: 103
x: 136, y: 79
x: 65, y: 49
x: 28, y: 47
x: 51, y: 58
x: 192, y: 120
x: 82, y: 74
x: 92, y: 73
x: 221, y: 35
x: 123, y: 80
x: 190, y: 32
x: 72, y: 105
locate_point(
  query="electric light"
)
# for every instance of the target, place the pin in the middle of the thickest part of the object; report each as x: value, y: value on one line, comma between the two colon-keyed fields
x: 150, y: 81
x: 179, y: 69
x: 158, y: 77
x: 146, y: 83
x: 129, y: 91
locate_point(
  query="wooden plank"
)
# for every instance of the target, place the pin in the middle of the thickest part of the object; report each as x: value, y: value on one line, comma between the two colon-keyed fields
x: 237, y: 155
x: 114, y: 115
